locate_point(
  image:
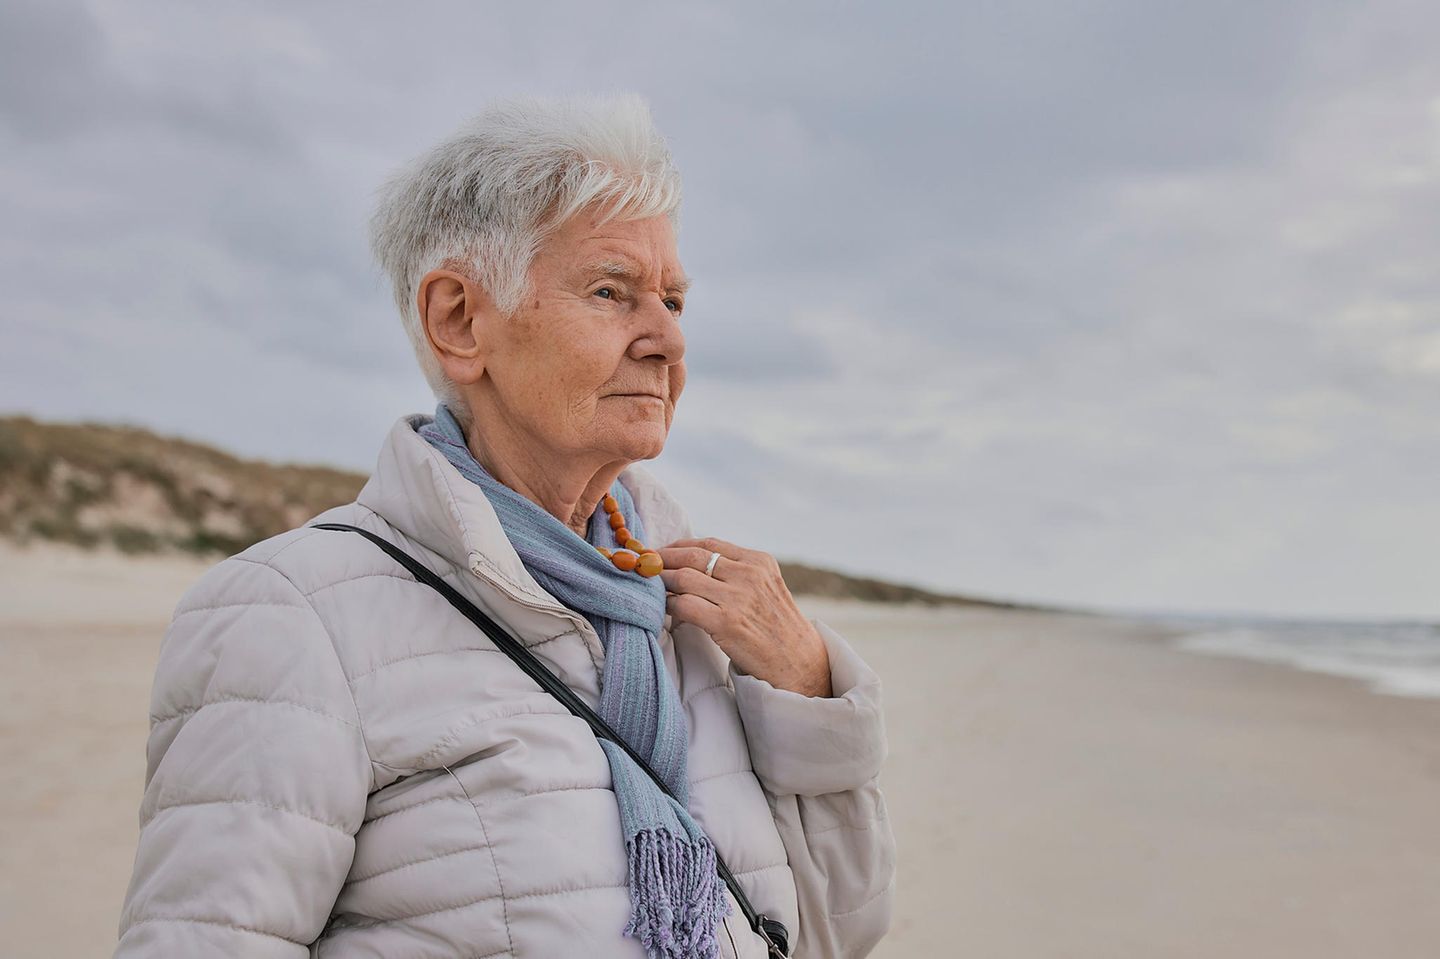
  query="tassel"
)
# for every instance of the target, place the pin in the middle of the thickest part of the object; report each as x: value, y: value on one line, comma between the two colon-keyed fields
x: 676, y: 895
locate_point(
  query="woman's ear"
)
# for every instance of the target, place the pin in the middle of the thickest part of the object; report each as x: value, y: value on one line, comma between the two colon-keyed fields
x: 455, y: 313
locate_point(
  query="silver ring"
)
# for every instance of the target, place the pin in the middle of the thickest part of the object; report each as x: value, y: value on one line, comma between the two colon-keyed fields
x: 710, y: 569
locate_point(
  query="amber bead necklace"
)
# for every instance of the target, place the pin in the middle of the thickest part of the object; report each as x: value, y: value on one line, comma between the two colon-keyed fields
x: 635, y: 555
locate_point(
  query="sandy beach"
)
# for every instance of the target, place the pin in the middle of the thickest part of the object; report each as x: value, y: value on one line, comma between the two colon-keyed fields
x: 1061, y: 785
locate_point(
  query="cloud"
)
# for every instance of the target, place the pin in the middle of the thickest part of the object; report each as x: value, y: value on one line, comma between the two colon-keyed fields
x: 1125, y: 305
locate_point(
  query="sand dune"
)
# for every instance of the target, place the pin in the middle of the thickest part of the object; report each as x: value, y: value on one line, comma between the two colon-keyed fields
x: 1062, y: 785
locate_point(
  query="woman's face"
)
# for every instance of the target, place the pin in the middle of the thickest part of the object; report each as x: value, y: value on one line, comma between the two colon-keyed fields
x: 592, y: 364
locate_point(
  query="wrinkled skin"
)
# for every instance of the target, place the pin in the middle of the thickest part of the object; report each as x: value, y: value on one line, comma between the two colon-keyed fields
x: 581, y: 382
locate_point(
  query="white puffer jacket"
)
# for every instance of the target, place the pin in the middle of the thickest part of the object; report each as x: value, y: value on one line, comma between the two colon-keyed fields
x: 342, y: 765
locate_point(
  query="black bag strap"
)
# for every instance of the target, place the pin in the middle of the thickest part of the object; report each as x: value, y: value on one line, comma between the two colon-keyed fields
x: 772, y: 931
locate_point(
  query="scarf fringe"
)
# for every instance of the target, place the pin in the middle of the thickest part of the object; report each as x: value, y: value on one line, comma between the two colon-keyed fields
x: 677, y: 897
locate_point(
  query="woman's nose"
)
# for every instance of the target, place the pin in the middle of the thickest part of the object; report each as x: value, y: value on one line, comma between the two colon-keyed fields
x: 661, y: 336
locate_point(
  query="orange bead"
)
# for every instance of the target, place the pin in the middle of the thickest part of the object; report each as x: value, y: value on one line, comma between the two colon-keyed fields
x: 650, y: 564
x: 616, y: 521
x: 604, y: 552
x: 611, y: 505
x: 635, y: 544
x: 649, y: 550
x: 622, y: 536
x: 624, y: 561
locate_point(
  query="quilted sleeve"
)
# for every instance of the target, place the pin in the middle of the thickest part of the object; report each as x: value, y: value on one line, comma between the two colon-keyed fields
x: 819, y: 762
x: 256, y: 780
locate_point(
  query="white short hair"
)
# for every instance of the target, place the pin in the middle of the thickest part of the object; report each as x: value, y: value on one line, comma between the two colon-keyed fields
x: 488, y: 197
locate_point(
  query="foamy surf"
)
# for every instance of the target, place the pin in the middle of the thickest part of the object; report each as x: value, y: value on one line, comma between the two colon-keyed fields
x: 1392, y: 659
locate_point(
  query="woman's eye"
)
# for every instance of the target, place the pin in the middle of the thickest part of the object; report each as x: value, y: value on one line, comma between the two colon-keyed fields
x: 608, y: 291
x: 675, y: 305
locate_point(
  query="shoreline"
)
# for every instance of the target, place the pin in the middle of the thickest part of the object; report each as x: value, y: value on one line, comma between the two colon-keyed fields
x: 1059, y: 784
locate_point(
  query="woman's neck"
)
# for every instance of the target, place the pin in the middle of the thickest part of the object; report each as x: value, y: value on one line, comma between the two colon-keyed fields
x: 569, y: 488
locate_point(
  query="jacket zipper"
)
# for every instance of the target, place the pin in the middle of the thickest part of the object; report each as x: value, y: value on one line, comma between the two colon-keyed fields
x: 588, y: 631
x: 583, y: 626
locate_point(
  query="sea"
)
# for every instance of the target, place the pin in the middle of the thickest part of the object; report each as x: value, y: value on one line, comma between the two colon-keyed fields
x: 1392, y: 658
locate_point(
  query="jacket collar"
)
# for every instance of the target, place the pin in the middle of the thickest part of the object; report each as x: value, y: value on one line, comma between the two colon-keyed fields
x: 420, y: 493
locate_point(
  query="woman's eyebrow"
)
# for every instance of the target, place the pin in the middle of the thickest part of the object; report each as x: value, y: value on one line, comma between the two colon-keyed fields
x: 626, y: 270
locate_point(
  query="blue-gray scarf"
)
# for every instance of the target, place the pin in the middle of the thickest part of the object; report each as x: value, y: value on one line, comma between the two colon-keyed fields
x: 677, y: 898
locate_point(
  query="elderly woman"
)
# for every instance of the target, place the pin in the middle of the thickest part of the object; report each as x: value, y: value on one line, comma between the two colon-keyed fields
x: 342, y: 764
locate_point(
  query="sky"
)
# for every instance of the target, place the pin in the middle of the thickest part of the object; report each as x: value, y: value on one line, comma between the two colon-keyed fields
x: 1127, y: 306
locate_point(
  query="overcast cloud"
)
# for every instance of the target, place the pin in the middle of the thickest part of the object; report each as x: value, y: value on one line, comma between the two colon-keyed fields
x: 1127, y: 305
